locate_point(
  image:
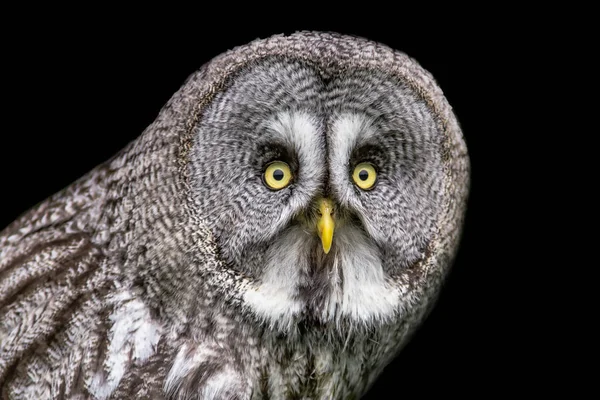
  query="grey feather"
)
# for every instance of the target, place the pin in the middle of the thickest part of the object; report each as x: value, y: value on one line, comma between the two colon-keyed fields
x: 172, y: 271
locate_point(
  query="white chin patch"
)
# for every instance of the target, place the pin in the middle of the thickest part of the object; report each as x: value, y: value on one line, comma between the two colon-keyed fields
x: 275, y: 299
x: 358, y: 292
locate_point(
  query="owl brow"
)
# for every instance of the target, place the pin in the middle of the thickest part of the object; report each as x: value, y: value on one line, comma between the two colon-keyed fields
x: 398, y: 136
x: 276, y: 151
x: 386, y: 123
x: 371, y: 152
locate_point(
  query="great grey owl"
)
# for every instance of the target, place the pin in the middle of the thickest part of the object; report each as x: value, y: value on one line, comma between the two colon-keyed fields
x: 278, y: 232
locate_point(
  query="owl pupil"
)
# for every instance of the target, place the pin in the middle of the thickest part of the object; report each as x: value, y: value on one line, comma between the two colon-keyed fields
x: 278, y: 174
x: 363, y: 175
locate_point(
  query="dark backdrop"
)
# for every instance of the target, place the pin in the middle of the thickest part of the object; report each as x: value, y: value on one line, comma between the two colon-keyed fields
x: 76, y: 91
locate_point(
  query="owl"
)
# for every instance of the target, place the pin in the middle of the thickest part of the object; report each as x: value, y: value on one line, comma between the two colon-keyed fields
x: 278, y: 232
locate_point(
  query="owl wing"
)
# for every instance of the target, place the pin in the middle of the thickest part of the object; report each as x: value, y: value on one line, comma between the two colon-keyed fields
x: 69, y: 327
x: 52, y: 283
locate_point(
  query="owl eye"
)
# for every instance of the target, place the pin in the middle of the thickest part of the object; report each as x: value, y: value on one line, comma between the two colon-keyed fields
x: 364, y: 176
x: 277, y: 175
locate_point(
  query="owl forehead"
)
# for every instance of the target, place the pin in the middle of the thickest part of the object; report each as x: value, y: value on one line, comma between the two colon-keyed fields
x: 320, y: 115
x: 271, y: 85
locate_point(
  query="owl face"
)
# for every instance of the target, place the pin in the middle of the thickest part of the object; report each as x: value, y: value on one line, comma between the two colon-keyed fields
x: 322, y: 189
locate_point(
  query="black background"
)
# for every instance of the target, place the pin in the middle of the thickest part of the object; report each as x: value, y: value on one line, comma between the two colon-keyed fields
x: 76, y: 90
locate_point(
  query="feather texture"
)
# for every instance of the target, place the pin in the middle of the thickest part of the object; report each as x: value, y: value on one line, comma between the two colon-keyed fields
x: 171, y: 271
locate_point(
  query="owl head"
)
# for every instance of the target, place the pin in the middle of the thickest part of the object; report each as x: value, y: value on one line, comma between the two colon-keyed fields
x: 332, y: 179
x: 278, y: 231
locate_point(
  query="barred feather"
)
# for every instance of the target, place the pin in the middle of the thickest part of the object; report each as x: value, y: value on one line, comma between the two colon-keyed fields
x: 144, y: 280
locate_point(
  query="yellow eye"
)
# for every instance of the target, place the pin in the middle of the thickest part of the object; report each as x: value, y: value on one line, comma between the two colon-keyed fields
x: 364, y: 176
x: 277, y: 175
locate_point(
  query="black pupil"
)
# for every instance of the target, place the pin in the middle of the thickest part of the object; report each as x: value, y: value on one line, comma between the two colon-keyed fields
x: 278, y: 174
x: 363, y: 175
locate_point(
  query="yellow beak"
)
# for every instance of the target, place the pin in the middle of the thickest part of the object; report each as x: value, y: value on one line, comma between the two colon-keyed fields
x: 326, y: 225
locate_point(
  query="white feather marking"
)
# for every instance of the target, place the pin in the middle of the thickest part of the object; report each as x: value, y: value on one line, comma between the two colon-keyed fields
x: 274, y: 299
x: 366, y: 296
x: 134, y: 336
x: 300, y: 131
x: 216, y: 387
x: 187, y: 361
x: 348, y: 131
x: 359, y: 288
x: 181, y: 367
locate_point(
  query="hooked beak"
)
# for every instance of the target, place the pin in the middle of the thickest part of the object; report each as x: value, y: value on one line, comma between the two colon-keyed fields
x: 326, y: 225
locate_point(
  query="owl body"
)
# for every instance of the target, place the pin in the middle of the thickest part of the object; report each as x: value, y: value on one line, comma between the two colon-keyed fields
x: 278, y: 232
